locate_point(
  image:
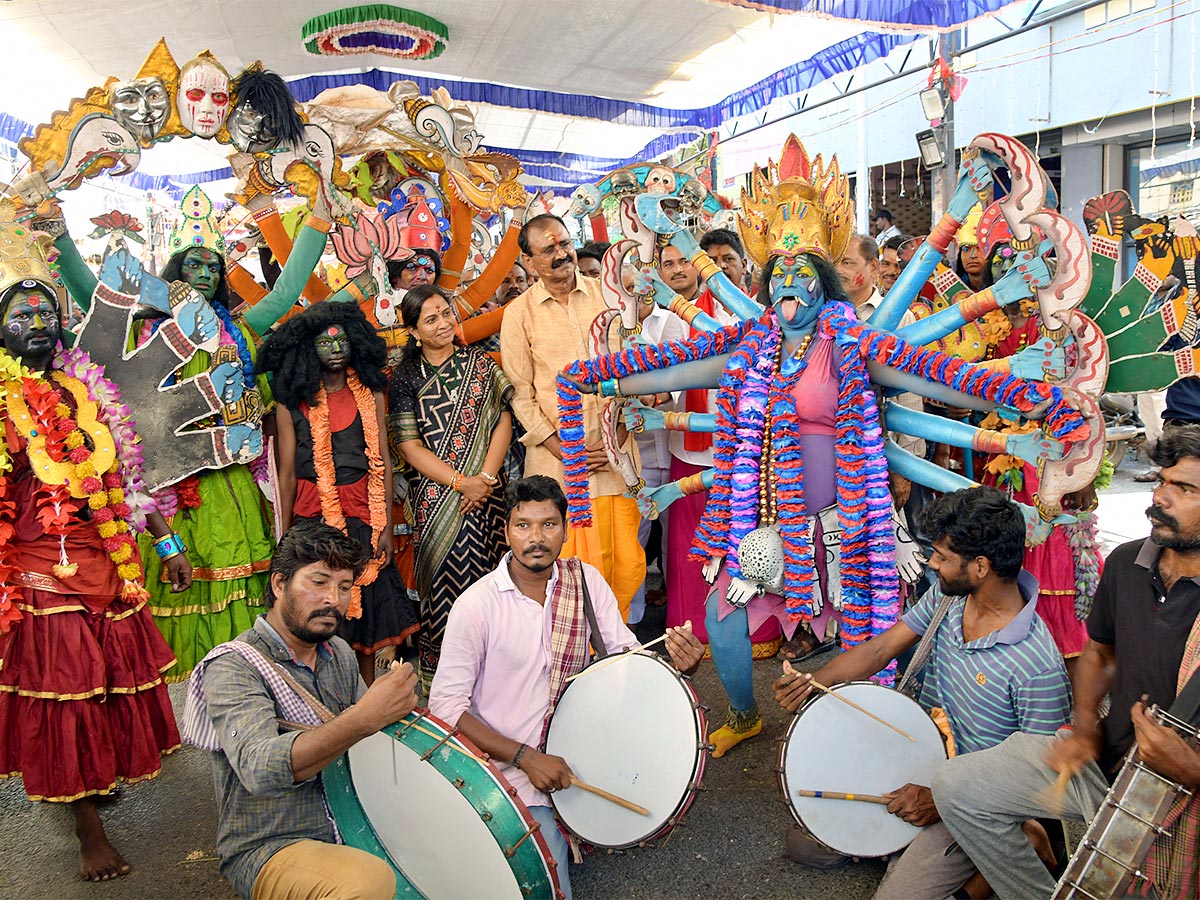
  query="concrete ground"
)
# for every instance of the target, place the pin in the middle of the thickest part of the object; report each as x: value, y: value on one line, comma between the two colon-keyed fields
x: 730, y: 846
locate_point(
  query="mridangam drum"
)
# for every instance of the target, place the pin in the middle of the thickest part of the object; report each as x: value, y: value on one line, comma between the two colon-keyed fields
x: 634, y: 728
x: 444, y: 817
x: 831, y: 746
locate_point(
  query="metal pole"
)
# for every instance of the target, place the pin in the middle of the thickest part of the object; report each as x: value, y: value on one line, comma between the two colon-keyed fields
x: 945, y: 178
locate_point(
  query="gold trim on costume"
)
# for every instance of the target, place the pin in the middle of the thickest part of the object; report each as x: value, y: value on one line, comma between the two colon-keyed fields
x: 50, y: 695
x: 227, y: 574
x: 100, y: 792
x: 201, y: 608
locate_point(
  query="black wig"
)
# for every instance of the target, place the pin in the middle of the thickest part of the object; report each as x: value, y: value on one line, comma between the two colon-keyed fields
x: 269, y: 95
x: 289, y: 354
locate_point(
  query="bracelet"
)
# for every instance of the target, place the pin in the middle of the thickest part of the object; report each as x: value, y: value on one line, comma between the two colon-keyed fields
x: 456, y: 485
x: 991, y: 442
x: 169, y: 546
x: 516, y: 760
x: 490, y: 479
x: 692, y: 484
x: 611, y: 388
x: 676, y: 421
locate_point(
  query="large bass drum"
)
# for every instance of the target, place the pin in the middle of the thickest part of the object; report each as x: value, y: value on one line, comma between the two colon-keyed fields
x: 831, y: 746
x: 636, y: 729
x: 427, y: 801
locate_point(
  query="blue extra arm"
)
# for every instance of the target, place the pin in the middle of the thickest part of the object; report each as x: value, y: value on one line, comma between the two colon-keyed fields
x: 718, y: 282
x: 1030, y: 446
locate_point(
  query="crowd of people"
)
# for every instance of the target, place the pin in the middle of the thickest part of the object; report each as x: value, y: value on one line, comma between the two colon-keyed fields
x: 497, y: 596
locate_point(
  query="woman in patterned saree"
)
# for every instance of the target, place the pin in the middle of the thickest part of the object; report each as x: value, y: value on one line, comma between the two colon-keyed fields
x: 449, y: 418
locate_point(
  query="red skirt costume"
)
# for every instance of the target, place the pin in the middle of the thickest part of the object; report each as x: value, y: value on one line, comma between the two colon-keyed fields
x: 82, y: 701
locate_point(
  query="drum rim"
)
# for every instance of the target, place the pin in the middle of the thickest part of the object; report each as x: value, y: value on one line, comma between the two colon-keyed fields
x: 781, y: 770
x: 339, y: 772
x: 689, y: 795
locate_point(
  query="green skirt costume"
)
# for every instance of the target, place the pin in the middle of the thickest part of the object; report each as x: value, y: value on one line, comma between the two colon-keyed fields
x: 230, y: 538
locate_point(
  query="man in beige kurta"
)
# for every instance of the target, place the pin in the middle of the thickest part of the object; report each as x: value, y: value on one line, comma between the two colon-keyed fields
x: 545, y: 329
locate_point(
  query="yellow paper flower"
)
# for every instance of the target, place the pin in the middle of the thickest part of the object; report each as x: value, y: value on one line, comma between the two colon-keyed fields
x: 85, y: 470
x: 116, y: 495
x: 107, y: 529
x: 129, y: 571
x: 121, y: 554
x: 98, y: 500
x: 74, y: 439
x: 62, y: 411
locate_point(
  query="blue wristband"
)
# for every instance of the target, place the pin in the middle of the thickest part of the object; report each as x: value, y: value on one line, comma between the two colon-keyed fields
x: 611, y: 388
x: 168, y: 546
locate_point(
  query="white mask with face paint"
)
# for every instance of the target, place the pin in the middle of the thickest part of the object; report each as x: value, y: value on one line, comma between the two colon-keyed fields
x: 203, y: 98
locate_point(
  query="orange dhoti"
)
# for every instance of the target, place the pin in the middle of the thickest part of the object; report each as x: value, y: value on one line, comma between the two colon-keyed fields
x: 611, y: 545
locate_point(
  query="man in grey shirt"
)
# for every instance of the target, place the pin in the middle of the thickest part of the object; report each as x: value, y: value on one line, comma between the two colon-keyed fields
x: 275, y: 835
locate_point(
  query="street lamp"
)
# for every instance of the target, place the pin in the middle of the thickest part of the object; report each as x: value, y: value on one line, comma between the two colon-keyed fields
x: 933, y: 104
x: 930, y: 149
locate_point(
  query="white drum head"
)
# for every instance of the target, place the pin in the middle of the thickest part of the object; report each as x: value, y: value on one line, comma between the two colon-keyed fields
x: 630, y: 728
x: 429, y: 829
x: 834, y: 747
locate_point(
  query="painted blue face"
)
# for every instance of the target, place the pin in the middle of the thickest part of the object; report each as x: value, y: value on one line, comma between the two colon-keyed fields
x: 796, y: 292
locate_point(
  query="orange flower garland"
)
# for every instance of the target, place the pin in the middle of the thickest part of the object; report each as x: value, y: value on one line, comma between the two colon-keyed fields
x: 331, y: 505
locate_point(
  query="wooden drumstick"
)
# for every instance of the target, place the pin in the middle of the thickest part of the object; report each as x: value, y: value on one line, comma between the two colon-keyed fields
x: 839, y: 795
x: 620, y: 656
x: 787, y: 667
x: 611, y: 798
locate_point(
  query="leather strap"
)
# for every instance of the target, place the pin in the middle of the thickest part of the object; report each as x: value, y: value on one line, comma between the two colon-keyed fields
x: 908, y: 684
x: 590, y: 615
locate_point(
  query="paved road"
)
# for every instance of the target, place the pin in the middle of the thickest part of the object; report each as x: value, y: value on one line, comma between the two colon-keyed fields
x: 730, y: 846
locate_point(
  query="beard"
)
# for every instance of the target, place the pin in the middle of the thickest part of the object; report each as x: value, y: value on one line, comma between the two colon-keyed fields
x: 958, y: 587
x: 1164, y: 531
x: 299, y: 626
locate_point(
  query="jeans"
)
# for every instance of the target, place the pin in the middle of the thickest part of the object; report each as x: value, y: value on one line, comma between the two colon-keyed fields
x: 729, y: 641
x: 544, y: 816
x: 983, y: 798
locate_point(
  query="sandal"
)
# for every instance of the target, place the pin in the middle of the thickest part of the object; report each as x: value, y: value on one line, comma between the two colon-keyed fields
x: 803, y: 646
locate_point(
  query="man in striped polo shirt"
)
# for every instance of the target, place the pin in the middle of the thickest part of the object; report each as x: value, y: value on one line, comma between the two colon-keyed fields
x: 993, y: 667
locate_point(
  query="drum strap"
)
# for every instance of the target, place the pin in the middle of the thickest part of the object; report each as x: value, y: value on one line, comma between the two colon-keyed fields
x: 908, y: 684
x: 590, y: 614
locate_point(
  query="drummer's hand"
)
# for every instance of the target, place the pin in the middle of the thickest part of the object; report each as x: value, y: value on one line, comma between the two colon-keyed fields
x: 793, y: 688
x: 1163, y: 750
x: 545, y: 772
x: 685, y: 648
x: 1073, y: 750
x: 914, y: 804
x: 392, y: 697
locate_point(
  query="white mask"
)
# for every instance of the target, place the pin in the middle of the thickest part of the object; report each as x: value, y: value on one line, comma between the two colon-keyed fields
x: 203, y: 99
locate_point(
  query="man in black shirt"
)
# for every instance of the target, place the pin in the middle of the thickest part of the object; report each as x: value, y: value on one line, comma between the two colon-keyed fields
x: 1147, y: 602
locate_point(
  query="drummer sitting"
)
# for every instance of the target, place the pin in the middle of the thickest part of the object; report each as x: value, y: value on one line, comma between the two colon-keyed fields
x: 275, y: 835
x: 993, y: 668
x: 516, y: 635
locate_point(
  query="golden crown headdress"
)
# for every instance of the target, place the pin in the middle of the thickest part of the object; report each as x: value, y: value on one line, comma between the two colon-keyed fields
x: 796, y: 207
x: 24, y: 253
x: 198, y: 227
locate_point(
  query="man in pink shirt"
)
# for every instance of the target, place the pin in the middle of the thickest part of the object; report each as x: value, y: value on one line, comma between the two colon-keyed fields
x: 515, y: 637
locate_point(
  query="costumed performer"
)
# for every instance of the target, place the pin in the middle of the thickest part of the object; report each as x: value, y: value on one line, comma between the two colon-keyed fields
x: 83, y: 704
x: 221, y: 514
x: 800, y: 445
x: 516, y: 636
x: 275, y: 836
x: 449, y: 419
x: 545, y: 329
x: 327, y: 377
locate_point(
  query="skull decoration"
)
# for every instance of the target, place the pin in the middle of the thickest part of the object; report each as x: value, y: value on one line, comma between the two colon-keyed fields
x: 692, y: 195
x: 585, y: 201
x: 624, y: 183
x: 660, y: 180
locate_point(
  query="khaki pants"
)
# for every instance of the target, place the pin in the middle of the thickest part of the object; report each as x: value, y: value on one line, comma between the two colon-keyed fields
x: 315, y: 870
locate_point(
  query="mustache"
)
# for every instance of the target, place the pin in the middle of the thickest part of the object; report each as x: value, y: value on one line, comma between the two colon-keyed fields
x: 327, y: 611
x: 559, y: 263
x: 542, y: 547
x: 1158, y: 514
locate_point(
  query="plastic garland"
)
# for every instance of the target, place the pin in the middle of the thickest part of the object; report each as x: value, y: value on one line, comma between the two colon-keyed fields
x: 375, y: 28
x: 331, y: 505
x: 1084, y: 540
x: 243, y: 349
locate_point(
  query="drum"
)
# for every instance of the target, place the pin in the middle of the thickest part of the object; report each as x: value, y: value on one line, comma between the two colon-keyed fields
x: 831, y: 746
x: 426, y: 800
x: 636, y: 729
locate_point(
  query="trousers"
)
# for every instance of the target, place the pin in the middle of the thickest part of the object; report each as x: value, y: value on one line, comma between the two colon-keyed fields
x: 315, y: 870
x: 552, y: 834
x: 984, y: 796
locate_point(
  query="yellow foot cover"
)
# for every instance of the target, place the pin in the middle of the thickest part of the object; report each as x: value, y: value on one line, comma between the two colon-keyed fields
x: 737, y: 728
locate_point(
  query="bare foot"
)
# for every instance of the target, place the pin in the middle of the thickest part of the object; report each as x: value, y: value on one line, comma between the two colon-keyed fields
x: 98, y: 859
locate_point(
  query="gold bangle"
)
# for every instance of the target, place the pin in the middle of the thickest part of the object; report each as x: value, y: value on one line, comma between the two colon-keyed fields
x: 692, y: 484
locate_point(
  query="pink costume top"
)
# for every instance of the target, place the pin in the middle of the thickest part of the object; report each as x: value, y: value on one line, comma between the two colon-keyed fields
x: 495, y: 661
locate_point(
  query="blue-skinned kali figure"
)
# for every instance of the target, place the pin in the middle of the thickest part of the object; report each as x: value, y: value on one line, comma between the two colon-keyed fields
x: 799, y: 522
